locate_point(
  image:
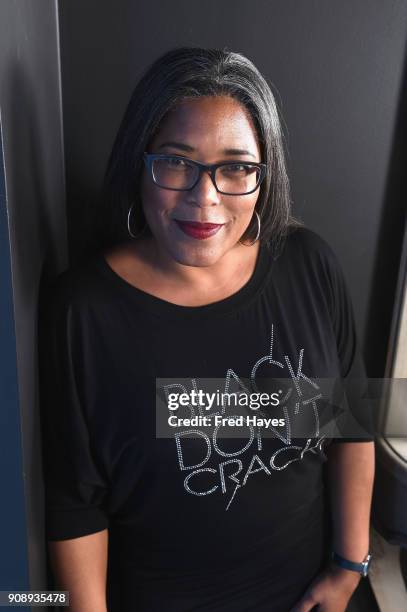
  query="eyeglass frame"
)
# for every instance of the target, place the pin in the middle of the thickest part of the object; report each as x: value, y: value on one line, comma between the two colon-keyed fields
x: 210, y: 168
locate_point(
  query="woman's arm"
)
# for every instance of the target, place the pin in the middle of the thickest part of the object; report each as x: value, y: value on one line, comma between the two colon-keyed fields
x: 80, y: 567
x: 350, y: 481
x: 351, y: 467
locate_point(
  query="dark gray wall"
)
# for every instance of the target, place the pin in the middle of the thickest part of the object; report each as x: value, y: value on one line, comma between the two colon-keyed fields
x: 33, y: 238
x: 337, y: 68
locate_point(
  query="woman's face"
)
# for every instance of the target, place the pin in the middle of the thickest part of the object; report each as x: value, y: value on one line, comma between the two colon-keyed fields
x: 209, y: 130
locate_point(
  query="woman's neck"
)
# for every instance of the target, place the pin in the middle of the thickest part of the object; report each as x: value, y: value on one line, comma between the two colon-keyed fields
x: 238, y: 262
x: 148, y: 268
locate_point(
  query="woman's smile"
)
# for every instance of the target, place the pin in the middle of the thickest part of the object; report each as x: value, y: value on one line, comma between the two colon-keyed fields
x: 197, y: 230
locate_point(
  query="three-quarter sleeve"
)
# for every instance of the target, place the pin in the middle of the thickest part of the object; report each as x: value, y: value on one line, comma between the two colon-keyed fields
x: 356, y: 422
x: 75, y: 489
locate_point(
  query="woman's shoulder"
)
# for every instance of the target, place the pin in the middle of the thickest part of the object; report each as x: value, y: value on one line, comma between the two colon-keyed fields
x: 302, y: 238
x: 92, y: 281
x: 74, y: 287
x: 308, y: 249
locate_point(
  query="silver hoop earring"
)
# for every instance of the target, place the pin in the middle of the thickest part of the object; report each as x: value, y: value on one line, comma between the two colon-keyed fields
x: 128, y: 224
x: 258, y: 230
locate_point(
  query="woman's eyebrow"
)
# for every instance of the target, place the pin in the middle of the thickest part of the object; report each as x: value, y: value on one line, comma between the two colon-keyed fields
x: 184, y: 147
x: 238, y: 152
x: 176, y: 145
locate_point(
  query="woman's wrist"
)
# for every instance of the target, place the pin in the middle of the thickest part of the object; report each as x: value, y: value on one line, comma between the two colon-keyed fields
x: 355, y: 550
x: 349, y: 577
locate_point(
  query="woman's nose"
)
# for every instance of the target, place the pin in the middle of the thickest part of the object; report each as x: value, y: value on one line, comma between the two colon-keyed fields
x: 204, y: 193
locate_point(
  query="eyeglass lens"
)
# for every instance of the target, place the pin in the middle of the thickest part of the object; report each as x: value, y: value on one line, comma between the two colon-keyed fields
x: 176, y: 173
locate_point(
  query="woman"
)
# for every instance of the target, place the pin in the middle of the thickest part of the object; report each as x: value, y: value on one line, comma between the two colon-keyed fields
x: 203, y: 275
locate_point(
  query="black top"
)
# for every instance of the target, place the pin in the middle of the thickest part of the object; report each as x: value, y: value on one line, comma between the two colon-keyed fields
x: 198, y: 520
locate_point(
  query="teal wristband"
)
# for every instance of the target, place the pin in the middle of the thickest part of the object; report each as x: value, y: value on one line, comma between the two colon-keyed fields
x: 361, y: 568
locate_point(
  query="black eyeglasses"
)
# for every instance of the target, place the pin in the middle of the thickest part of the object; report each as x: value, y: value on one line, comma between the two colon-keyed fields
x: 182, y: 174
